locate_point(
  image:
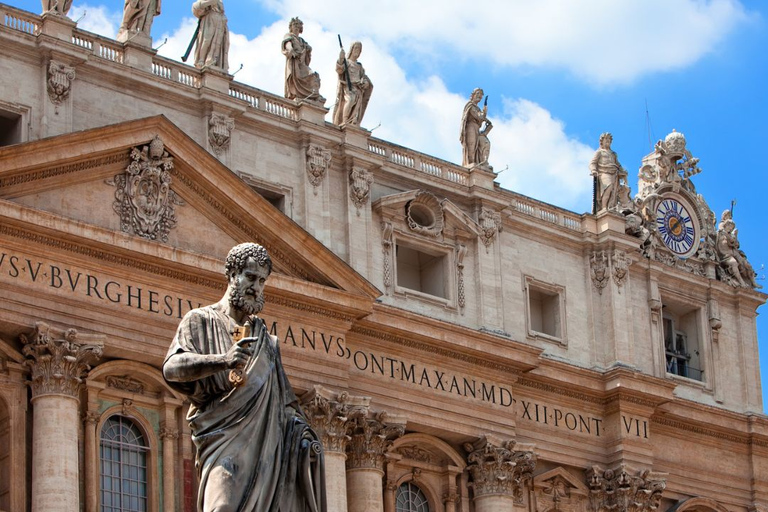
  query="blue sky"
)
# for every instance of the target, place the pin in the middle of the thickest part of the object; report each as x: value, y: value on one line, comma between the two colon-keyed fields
x: 558, y: 73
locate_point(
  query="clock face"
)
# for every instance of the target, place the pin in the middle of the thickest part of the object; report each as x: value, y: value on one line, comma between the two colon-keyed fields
x: 677, y: 227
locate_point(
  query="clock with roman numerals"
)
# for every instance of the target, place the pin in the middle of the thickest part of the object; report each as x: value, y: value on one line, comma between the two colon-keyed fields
x: 678, y: 227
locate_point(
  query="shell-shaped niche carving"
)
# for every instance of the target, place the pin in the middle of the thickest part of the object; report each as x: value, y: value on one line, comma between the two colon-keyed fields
x: 425, y: 214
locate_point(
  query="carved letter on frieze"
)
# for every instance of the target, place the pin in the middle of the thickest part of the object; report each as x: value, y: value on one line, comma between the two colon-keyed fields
x: 598, y: 266
x: 461, y: 251
x: 621, y: 264
x: 500, y: 468
x: 386, y: 242
x: 220, y: 132
x: 491, y: 225
x: 360, y: 181
x: 58, y: 360
x: 318, y: 159
x: 624, y: 489
x: 370, y: 440
x: 333, y: 416
x: 143, y: 196
x: 60, y: 78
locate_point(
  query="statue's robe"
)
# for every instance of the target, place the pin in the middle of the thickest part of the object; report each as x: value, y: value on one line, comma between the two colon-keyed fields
x: 300, y: 81
x: 255, y: 451
x: 212, y: 43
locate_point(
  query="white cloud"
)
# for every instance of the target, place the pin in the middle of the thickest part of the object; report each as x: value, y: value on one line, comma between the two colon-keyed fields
x: 602, y: 41
x: 97, y: 19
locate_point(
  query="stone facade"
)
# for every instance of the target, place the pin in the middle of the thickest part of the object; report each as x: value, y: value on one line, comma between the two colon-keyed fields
x: 446, y: 335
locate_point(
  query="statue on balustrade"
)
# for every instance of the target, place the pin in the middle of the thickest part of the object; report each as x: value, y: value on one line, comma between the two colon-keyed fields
x: 212, y: 35
x: 255, y: 449
x: 60, y: 7
x: 610, y: 177
x: 474, y: 130
x: 301, y: 83
x: 354, y: 89
x: 137, y: 19
x: 733, y: 261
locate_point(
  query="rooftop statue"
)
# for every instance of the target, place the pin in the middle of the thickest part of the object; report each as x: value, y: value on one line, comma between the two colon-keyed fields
x: 610, y: 177
x: 354, y: 89
x: 57, y: 6
x: 733, y: 261
x: 137, y: 18
x: 474, y: 130
x: 212, y: 35
x: 255, y: 450
x: 301, y: 83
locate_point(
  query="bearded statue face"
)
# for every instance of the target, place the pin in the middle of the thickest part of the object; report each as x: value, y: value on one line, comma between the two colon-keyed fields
x: 247, y: 287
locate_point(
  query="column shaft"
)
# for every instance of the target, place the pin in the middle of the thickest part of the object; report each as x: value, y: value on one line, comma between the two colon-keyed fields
x: 364, y: 490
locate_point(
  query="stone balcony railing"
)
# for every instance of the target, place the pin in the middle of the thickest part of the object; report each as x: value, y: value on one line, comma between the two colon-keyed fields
x: 259, y: 100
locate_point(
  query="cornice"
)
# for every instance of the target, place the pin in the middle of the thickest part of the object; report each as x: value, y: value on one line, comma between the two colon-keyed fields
x: 686, y: 426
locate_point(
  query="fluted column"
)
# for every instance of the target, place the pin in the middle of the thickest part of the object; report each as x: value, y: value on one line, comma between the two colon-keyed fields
x: 332, y: 416
x: 500, y: 471
x: 624, y: 488
x: 370, y: 440
x: 58, y: 361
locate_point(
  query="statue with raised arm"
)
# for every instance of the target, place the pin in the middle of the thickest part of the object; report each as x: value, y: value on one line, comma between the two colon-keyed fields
x: 354, y: 89
x: 474, y: 149
x: 138, y: 16
x: 60, y: 7
x: 255, y: 449
x: 301, y: 83
x: 608, y: 174
x: 212, y: 41
x: 733, y: 261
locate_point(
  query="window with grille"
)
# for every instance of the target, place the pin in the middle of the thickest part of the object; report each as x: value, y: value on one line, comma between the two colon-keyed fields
x: 411, y: 499
x: 123, y: 466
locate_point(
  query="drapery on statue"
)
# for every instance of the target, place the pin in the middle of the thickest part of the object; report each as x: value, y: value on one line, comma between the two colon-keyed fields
x: 255, y: 450
x: 607, y: 170
x: 354, y: 90
x: 301, y: 83
x: 137, y: 18
x: 57, y: 6
x: 474, y: 141
x: 732, y: 259
x: 212, y: 43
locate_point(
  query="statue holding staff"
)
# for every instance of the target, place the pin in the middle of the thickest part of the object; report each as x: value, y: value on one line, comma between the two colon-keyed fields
x: 211, y: 36
x: 474, y: 129
x: 354, y: 89
x: 255, y: 449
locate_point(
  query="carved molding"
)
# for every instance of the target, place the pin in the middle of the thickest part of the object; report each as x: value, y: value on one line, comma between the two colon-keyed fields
x: 500, y: 467
x: 144, y: 200
x: 360, y: 181
x: 370, y: 438
x: 425, y: 215
x: 417, y: 453
x: 598, y: 268
x: 386, y: 243
x: 125, y: 383
x: 220, y: 132
x: 461, y: 251
x: 58, y: 361
x: 170, y: 434
x: 333, y: 416
x: 318, y: 160
x: 490, y: 226
x: 59, y: 83
x: 623, y: 489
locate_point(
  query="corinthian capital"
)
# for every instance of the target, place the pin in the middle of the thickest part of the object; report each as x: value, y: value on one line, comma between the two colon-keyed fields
x: 622, y: 489
x: 500, y: 467
x: 59, y: 359
x: 370, y: 439
x: 333, y: 415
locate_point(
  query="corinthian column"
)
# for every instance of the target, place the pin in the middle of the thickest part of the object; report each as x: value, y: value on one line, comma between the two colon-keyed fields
x: 623, y: 488
x: 58, y: 361
x: 370, y: 440
x: 332, y: 416
x: 500, y: 471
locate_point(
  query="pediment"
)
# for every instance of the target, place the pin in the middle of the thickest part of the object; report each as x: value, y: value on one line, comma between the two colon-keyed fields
x: 67, y: 188
x: 561, y: 479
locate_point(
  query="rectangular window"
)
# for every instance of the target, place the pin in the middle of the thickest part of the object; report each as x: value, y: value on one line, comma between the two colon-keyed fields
x: 422, y: 271
x: 683, y: 354
x: 10, y: 128
x: 545, y: 304
x: 277, y: 195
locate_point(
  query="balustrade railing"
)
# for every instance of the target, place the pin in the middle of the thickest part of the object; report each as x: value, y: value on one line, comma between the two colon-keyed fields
x: 547, y: 214
x: 19, y: 20
x: 422, y: 163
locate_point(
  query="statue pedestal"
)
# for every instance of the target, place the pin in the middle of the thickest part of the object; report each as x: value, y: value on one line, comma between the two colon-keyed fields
x: 312, y: 111
x: 482, y: 176
x: 610, y: 221
x: 216, y: 80
x: 355, y: 136
x: 137, y: 54
x: 58, y: 26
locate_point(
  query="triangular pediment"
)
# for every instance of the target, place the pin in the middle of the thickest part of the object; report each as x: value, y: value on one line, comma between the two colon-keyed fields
x: 561, y: 478
x: 65, y: 188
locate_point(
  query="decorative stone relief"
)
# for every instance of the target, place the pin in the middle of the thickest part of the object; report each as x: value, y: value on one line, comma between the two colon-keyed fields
x: 559, y: 490
x: 220, y: 132
x: 623, y: 489
x: 598, y: 266
x: 60, y: 77
x: 143, y: 196
x: 500, y: 467
x: 332, y: 416
x: 416, y: 453
x: 424, y: 214
x: 125, y: 383
x: 360, y: 180
x: 386, y: 242
x: 461, y: 251
x: 318, y: 159
x: 490, y: 224
x: 620, y: 262
x: 734, y: 267
x: 170, y: 434
x: 58, y: 360
x: 371, y: 437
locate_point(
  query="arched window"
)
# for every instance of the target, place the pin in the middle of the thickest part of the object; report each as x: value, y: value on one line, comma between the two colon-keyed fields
x: 123, y: 466
x: 411, y: 499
